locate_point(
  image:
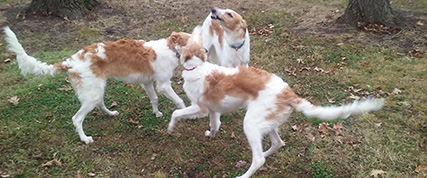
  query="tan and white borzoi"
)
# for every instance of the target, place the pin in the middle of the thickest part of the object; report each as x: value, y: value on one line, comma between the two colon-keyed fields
x: 225, y: 36
x: 126, y: 60
x: 269, y: 100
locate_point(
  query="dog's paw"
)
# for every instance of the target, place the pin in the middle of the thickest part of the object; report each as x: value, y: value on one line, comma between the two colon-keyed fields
x: 170, y: 130
x: 87, y: 140
x: 114, y: 113
x: 158, y: 114
x: 208, y: 133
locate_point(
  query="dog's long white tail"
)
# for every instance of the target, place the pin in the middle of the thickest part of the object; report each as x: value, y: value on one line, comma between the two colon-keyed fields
x: 328, y: 113
x: 28, y: 64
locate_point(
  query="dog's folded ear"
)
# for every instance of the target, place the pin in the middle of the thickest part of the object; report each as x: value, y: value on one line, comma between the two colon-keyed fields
x: 175, y: 37
x: 178, y: 38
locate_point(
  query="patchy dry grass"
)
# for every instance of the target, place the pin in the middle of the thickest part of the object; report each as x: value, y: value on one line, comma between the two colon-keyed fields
x: 37, y: 137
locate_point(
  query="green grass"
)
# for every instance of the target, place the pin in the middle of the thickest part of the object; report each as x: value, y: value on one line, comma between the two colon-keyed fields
x: 39, y: 128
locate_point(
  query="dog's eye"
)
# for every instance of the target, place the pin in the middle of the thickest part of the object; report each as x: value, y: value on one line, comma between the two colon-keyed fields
x: 229, y: 14
x: 186, y: 58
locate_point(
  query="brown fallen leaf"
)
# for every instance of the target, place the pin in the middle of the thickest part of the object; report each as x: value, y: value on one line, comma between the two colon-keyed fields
x: 329, y: 16
x: 404, y: 103
x: 301, y: 153
x: 139, y: 126
x: 318, y: 69
x: 353, y: 143
x: 294, y: 127
x: 291, y: 70
x: 310, y: 137
x: 354, y: 97
x: 297, y: 128
x: 65, y: 88
x: 324, y: 128
x: 396, y: 91
x: 337, y: 128
x: 232, y: 135
x: 132, y: 122
x: 114, y: 104
x: 366, y: 64
x: 240, y: 163
x: 330, y: 100
x: 79, y: 175
x: 421, y: 168
x: 376, y: 172
x: 305, y: 68
x: 50, y: 163
x: 339, y: 139
x: 40, y: 156
x: 14, y: 100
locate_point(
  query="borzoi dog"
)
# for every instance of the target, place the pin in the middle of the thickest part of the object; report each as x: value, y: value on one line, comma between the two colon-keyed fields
x: 225, y: 36
x: 131, y: 61
x: 269, y: 100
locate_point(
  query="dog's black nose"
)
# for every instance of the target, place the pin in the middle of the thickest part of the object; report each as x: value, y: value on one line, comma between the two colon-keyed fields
x: 213, y: 10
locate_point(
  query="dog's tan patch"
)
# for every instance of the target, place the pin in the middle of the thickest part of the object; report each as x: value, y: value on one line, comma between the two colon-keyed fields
x: 124, y: 57
x: 178, y: 39
x: 193, y: 49
x: 75, y: 79
x: 218, y: 31
x: 245, y: 84
x: 284, y: 102
x: 59, y: 68
x: 234, y: 23
x: 202, y: 107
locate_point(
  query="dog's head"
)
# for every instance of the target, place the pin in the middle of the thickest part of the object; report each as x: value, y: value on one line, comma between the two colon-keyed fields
x: 177, y: 40
x: 194, y: 54
x: 229, y: 20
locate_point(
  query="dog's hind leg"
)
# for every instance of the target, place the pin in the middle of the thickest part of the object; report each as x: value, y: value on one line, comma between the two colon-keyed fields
x: 149, y: 89
x: 214, y: 124
x: 78, y: 119
x: 90, y: 94
x: 102, y: 107
x: 254, y: 135
x: 276, y: 143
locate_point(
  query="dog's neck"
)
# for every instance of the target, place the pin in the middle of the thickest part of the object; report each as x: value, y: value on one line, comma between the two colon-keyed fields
x: 237, y: 47
x: 235, y: 40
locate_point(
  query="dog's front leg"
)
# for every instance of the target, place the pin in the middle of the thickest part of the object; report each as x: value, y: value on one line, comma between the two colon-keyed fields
x: 191, y: 112
x: 214, y: 124
x: 149, y: 89
x: 166, y: 89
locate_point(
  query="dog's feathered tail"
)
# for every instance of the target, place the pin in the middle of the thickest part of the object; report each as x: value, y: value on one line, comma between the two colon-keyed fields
x: 29, y: 64
x: 328, y: 113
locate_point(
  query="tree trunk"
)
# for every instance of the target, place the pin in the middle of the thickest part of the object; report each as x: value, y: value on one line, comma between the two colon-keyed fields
x: 369, y: 11
x: 71, y: 9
